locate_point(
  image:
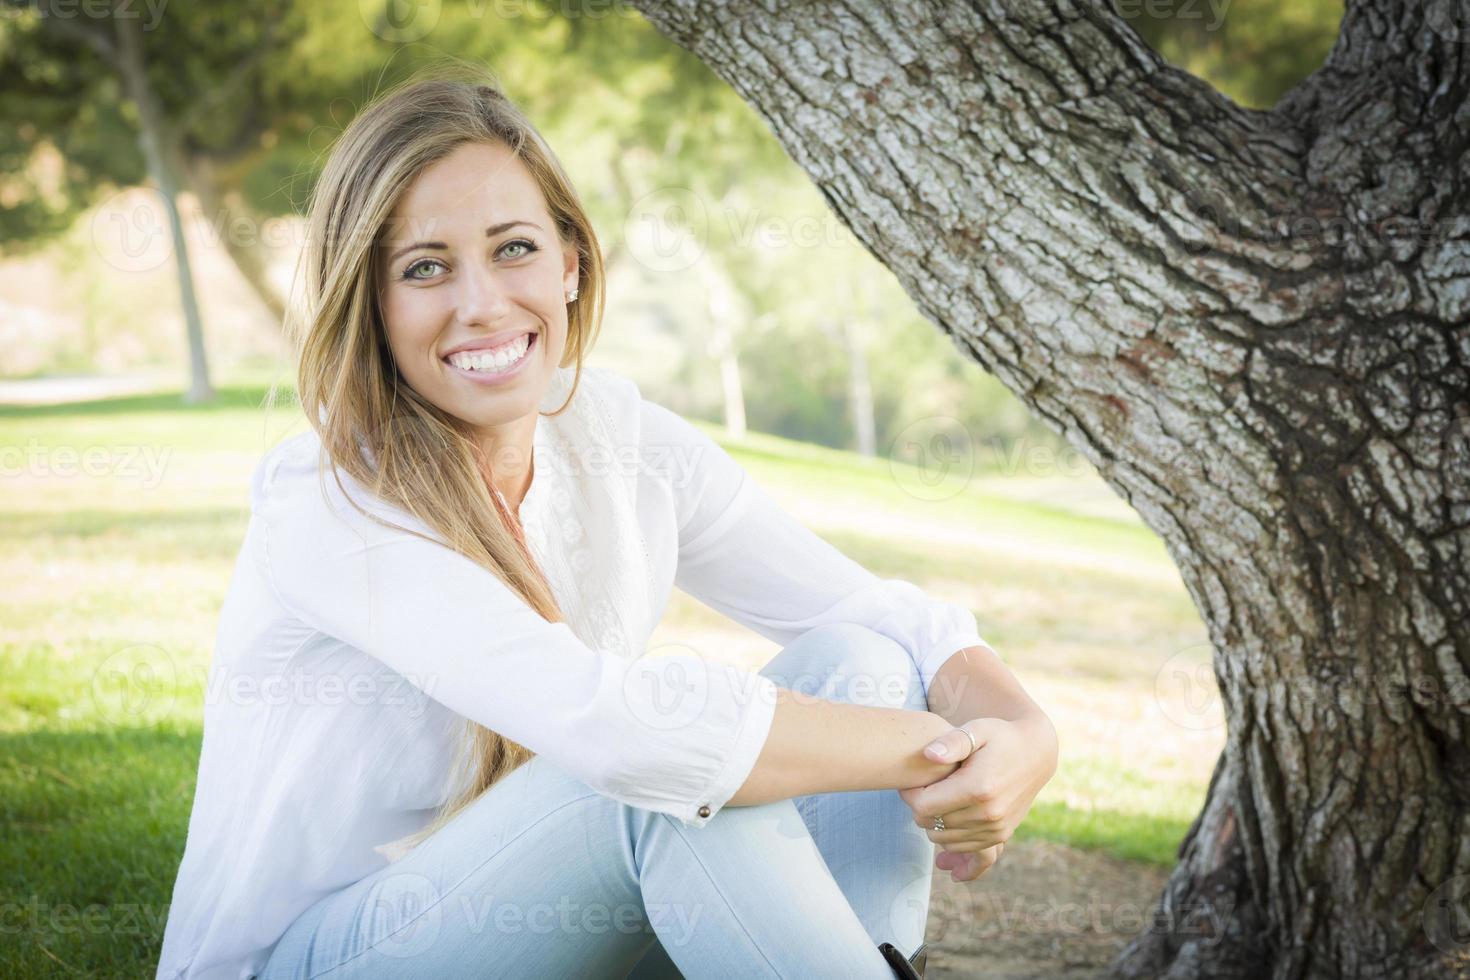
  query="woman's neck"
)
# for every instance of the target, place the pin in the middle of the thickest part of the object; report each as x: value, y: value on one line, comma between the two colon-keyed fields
x: 509, y: 451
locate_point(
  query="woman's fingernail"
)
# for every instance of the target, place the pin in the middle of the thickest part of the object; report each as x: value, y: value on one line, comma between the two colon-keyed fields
x: 939, y: 749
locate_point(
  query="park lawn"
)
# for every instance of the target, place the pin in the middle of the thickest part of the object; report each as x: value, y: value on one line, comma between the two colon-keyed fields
x: 120, y: 524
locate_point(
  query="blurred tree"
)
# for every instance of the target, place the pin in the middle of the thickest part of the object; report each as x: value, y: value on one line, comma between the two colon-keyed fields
x: 62, y: 66
x: 242, y: 98
x: 251, y: 95
x: 1256, y: 325
x: 1252, y: 50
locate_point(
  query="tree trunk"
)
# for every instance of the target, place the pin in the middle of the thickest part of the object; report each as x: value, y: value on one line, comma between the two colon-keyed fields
x: 859, y: 389
x: 722, y: 303
x: 240, y: 230
x: 1254, y: 324
x: 152, y: 139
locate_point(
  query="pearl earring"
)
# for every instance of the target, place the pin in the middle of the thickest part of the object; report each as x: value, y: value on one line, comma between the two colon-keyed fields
x: 572, y: 296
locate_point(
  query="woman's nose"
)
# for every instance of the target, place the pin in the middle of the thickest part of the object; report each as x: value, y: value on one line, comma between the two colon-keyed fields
x: 479, y: 298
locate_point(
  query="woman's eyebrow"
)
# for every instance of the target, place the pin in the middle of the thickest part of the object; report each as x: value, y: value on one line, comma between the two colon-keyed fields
x: 490, y: 232
x: 494, y: 230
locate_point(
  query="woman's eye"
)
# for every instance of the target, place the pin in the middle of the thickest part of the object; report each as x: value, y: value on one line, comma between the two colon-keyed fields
x: 410, y: 272
x: 525, y: 243
x: 527, y: 247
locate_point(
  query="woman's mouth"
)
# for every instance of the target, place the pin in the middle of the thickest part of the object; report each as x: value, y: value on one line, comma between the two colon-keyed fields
x: 495, y: 363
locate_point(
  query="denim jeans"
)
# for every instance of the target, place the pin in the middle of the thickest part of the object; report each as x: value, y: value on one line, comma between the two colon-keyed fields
x: 543, y: 877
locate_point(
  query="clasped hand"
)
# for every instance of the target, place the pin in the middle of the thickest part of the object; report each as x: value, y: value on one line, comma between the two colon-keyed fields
x: 987, y: 797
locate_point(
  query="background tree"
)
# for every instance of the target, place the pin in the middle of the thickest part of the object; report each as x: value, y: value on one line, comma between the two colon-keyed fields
x: 233, y: 102
x: 1254, y: 324
x: 64, y: 65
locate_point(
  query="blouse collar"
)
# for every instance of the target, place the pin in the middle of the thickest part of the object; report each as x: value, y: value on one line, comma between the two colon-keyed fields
x: 542, y: 443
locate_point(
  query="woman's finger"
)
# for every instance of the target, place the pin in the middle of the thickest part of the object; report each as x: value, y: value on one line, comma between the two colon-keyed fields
x: 970, y: 818
x: 968, y: 866
x: 973, y: 835
x: 954, y: 745
x: 971, y: 845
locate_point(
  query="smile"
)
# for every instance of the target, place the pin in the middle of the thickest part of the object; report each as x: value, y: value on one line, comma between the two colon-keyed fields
x: 494, y: 361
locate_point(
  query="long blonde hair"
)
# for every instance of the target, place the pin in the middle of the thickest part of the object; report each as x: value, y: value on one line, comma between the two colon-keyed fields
x: 421, y: 458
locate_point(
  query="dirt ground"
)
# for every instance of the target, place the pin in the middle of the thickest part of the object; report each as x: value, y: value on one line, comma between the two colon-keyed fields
x: 1044, y: 911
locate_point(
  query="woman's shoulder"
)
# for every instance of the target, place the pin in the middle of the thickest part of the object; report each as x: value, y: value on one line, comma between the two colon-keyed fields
x: 294, y: 484
x: 615, y: 398
x: 279, y: 472
x: 618, y: 392
x: 639, y: 419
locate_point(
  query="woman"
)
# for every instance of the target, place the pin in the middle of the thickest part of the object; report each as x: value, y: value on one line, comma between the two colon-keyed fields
x: 431, y: 746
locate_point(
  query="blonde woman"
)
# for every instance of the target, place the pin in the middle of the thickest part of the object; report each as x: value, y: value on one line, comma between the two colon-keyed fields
x: 432, y: 746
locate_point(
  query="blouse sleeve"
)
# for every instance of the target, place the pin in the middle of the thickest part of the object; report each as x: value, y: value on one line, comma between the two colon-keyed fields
x: 674, y: 734
x: 745, y: 557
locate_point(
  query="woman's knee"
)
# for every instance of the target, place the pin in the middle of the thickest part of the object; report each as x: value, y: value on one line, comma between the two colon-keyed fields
x: 852, y: 663
x: 758, y: 842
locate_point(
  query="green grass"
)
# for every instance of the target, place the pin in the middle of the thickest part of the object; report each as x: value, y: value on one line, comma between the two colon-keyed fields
x: 111, y: 583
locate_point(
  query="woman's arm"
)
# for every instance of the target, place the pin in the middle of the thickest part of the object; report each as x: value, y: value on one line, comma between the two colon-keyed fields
x: 976, y: 683
x: 743, y: 556
x: 820, y: 746
x: 674, y: 734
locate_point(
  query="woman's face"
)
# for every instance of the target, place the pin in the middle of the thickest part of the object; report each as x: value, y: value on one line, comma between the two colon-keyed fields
x: 472, y: 272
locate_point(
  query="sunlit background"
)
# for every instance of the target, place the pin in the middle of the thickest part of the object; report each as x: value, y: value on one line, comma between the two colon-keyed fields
x: 735, y: 298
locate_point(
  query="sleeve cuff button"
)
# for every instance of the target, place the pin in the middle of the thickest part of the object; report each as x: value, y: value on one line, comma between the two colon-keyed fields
x: 704, y: 810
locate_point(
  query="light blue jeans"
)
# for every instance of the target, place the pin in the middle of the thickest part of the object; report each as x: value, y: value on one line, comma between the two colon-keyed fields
x: 543, y: 877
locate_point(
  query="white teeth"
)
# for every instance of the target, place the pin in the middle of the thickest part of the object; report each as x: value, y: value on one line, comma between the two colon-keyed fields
x: 499, y: 360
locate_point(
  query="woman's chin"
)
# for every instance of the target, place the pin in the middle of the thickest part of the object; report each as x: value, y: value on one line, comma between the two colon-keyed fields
x: 489, y: 410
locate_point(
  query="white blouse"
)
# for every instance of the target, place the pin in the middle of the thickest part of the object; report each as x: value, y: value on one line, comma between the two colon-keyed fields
x: 349, y: 655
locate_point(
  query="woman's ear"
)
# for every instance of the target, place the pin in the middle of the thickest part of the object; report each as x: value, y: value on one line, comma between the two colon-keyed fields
x: 571, y: 266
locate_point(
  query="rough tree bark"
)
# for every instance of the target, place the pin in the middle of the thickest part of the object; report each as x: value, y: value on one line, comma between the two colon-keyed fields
x: 1254, y: 324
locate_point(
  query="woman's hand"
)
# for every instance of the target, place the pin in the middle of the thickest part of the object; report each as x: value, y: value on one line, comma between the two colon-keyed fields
x: 987, y: 797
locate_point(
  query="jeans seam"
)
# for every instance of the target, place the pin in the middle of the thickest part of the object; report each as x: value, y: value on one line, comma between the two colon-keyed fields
x: 714, y: 882
x: 498, y: 851
x: 809, y: 813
